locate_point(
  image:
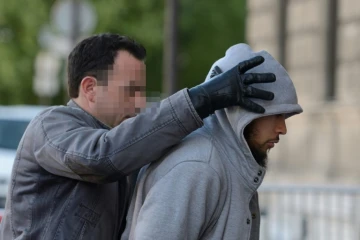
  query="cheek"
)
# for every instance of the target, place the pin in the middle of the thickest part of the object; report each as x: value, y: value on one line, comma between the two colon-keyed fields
x: 116, y: 95
x: 101, y: 96
x: 258, y: 138
x: 110, y: 98
x: 140, y: 100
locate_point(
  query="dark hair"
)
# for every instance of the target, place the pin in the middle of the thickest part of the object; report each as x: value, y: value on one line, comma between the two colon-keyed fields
x: 95, y: 54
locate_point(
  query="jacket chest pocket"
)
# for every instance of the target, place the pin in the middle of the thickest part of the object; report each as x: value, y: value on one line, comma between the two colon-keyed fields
x: 86, y: 218
x: 88, y: 215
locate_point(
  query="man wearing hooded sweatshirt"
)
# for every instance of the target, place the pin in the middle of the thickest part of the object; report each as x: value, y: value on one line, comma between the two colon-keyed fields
x: 206, y: 187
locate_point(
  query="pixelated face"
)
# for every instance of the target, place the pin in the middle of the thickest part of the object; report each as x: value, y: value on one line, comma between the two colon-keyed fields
x: 262, y: 134
x: 123, y: 94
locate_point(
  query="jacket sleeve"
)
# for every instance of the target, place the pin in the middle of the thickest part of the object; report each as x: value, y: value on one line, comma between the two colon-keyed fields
x: 72, y: 148
x: 181, y: 205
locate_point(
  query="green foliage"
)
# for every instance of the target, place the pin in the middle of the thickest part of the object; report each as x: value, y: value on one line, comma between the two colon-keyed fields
x: 141, y: 20
x: 206, y: 30
x: 19, y: 23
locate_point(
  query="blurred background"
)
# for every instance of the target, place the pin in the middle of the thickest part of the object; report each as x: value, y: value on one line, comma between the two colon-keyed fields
x: 36, y: 37
x: 311, y: 190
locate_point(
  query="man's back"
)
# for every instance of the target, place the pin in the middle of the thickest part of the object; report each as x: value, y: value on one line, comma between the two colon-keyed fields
x: 202, y: 190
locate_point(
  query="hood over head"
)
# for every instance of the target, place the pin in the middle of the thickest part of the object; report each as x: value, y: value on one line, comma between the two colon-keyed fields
x: 233, y: 120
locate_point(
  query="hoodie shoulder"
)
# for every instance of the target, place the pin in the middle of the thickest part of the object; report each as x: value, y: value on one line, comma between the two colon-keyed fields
x: 196, y: 147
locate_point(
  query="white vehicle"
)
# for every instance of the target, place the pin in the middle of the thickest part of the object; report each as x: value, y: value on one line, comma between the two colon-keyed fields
x: 13, y: 122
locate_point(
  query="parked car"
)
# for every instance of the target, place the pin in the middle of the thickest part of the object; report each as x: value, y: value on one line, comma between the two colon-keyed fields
x: 13, y: 122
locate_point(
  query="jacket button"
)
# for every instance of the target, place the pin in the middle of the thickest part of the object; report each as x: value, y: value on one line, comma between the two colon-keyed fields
x: 259, y: 173
x: 253, y: 216
x: 256, y: 179
x: 248, y: 221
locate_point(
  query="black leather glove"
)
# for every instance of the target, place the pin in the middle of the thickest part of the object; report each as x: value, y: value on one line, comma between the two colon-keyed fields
x: 232, y: 88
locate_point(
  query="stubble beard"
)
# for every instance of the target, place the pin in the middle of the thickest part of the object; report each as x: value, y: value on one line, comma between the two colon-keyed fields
x: 260, y: 156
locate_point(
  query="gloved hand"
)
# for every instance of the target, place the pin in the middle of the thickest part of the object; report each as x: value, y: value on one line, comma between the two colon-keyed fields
x: 232, y: 88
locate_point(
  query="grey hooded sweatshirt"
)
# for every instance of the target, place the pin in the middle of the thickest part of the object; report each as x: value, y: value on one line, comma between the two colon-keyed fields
x: 206, y: 187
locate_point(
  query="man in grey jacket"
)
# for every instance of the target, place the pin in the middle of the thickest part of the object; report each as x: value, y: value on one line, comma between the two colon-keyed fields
x: 206, y: 187
x: 69, y: 178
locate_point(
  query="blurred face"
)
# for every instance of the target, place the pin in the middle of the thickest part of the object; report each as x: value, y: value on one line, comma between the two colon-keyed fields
x: 262, y: 134
x: 123, y: 95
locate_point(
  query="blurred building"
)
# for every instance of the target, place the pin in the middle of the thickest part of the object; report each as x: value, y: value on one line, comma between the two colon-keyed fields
x: 318, y: 43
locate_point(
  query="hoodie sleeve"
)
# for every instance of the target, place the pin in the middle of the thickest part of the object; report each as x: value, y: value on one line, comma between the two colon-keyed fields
x: 181, y: 205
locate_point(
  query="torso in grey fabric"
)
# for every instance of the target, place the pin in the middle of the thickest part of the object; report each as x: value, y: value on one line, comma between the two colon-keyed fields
x: 204, y: 189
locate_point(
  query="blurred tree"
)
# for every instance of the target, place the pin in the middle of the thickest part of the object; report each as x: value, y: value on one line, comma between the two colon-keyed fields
x: 206, y: 30
x: 141, y: 20
x: 20, y: 21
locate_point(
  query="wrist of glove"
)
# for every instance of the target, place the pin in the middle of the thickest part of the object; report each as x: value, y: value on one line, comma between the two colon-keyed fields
x: 232, y: 88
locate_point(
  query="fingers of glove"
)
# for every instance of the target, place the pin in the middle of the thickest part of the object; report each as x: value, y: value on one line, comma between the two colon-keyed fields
x: 216, y: 71
x: 251, y: 106
x: 250, y: 63
x: 258, y: 93
x: 251, y: 78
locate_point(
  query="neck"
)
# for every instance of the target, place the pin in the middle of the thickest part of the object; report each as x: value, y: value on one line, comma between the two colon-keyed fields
x: 86, y: 107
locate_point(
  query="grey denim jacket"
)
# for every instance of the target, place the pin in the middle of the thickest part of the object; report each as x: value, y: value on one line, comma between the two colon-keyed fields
x: 69, y: 179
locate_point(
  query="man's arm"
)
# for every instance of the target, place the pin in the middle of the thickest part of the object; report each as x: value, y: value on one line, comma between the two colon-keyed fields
x: 73, y: 149
x: 183, y: 204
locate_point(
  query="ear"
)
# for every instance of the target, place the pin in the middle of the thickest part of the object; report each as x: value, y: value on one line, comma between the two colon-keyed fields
x: 88, y: 88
